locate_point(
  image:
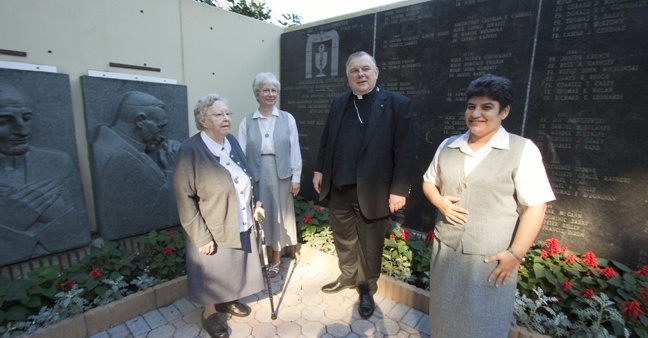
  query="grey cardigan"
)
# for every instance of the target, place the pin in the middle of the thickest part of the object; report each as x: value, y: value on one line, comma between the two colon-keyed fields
x: 205, y: 194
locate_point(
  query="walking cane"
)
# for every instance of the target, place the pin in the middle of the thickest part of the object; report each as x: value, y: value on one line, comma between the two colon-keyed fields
x: 262, y: 249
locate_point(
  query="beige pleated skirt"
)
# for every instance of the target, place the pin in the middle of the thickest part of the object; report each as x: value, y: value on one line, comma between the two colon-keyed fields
x: 279, y: 226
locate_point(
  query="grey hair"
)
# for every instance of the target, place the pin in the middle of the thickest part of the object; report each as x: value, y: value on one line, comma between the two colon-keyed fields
x: 357, y: 55
x: 203, y: 105
x: 262, y: 79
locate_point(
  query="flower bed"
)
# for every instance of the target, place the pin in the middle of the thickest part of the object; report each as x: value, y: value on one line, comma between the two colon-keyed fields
x: 560, y: 293
x: 105, y: 275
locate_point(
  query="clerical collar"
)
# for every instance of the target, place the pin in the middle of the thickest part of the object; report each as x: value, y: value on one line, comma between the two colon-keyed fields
x: 367, y: 95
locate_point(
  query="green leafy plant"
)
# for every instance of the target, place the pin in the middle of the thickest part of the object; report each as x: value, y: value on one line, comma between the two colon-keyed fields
x: 104, y: 275
x: 536, y: 315
x: 314, y: 225
x: 162, y: 254
x: 580, y: 282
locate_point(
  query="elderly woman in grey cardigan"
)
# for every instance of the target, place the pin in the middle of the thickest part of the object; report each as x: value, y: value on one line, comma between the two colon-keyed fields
x: 213, y: 191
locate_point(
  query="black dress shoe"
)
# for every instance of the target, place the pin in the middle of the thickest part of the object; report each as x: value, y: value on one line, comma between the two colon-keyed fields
x: 367, y: 306
x: 336, y: 287
x: 234, y: 308
x: 215, y: 325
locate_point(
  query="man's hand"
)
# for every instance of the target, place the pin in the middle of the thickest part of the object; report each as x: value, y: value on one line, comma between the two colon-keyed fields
x: 317, y: 181
x: 396, y: 202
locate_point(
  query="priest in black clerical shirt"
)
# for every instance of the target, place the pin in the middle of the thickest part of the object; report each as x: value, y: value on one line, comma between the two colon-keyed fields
x: 363, y: 169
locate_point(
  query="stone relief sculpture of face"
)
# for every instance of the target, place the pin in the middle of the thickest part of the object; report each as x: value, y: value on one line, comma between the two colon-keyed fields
x: 141, y: 118
x: 15, y: 122
x: 132, y: 163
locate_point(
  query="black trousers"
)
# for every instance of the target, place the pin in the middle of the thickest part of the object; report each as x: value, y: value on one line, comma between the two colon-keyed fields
x: 358, y: 241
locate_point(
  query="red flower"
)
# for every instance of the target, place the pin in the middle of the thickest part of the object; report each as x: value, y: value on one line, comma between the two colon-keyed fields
x: 166, y: 252
x: 552, y: 246
x: 307, y: 219
x: 631, y: 309
x: 566, y: 285
x: 429, y: 237
x: 95, y: 273
x: 318, y: 208
x: 609, y: 273
x: 570, y: 259
x: 392, y: 237
x: 564, y: 249
x: 589, y: 258
x: 643, y: 271
x: 171, y: 234
x: 588, y: 293
x: 404, y: 235
x: 544, y: 253
x: 67, y: 285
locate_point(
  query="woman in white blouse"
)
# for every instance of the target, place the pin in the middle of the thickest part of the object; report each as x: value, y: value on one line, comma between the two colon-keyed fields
x: 270, y: 140
x: 490, y: 189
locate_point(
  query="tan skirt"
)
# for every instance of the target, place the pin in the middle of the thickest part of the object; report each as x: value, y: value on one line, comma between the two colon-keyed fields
x: 462, y: 302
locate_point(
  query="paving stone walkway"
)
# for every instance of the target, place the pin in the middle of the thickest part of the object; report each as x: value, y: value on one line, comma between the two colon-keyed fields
x: 302, y: 311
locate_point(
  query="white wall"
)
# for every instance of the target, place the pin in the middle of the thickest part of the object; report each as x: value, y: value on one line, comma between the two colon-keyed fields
x: 203, y: 47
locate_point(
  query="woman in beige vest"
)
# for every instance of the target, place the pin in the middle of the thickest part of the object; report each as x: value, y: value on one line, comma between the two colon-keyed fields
x: 271, y: 143
x: 478, y: 181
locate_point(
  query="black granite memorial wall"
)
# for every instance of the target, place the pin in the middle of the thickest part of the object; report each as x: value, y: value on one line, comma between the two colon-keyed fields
x: 578, y: 69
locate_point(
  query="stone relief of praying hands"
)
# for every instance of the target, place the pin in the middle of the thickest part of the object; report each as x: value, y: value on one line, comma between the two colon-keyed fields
x: 20, y: 208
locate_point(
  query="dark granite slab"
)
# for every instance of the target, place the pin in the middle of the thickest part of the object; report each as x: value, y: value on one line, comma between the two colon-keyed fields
x: 42, y: 208
x: 132, y: 186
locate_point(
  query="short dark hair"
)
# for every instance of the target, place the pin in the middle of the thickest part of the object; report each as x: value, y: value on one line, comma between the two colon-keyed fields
x: 494, y: 87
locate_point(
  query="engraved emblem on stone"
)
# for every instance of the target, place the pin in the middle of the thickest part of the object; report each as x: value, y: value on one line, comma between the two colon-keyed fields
x: 321, y: 60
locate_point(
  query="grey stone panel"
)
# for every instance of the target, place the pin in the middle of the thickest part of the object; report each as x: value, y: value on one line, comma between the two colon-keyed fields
x: 131, y: 148
x: 42, y: 208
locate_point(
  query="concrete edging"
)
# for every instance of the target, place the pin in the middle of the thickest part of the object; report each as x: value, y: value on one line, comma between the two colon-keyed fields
x: 104, y: 317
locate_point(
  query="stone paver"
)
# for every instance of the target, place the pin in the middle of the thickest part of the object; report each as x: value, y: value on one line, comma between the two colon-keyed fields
x: 302, y: 310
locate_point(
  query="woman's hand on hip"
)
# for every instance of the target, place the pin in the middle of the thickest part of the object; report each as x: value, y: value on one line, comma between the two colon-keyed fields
x: 207, y: 249
x: 453, y: 213
x: 505, y: 267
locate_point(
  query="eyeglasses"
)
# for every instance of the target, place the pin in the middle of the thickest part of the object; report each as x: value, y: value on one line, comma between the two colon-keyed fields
x: 269, y: 91
x: 221, y: 114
